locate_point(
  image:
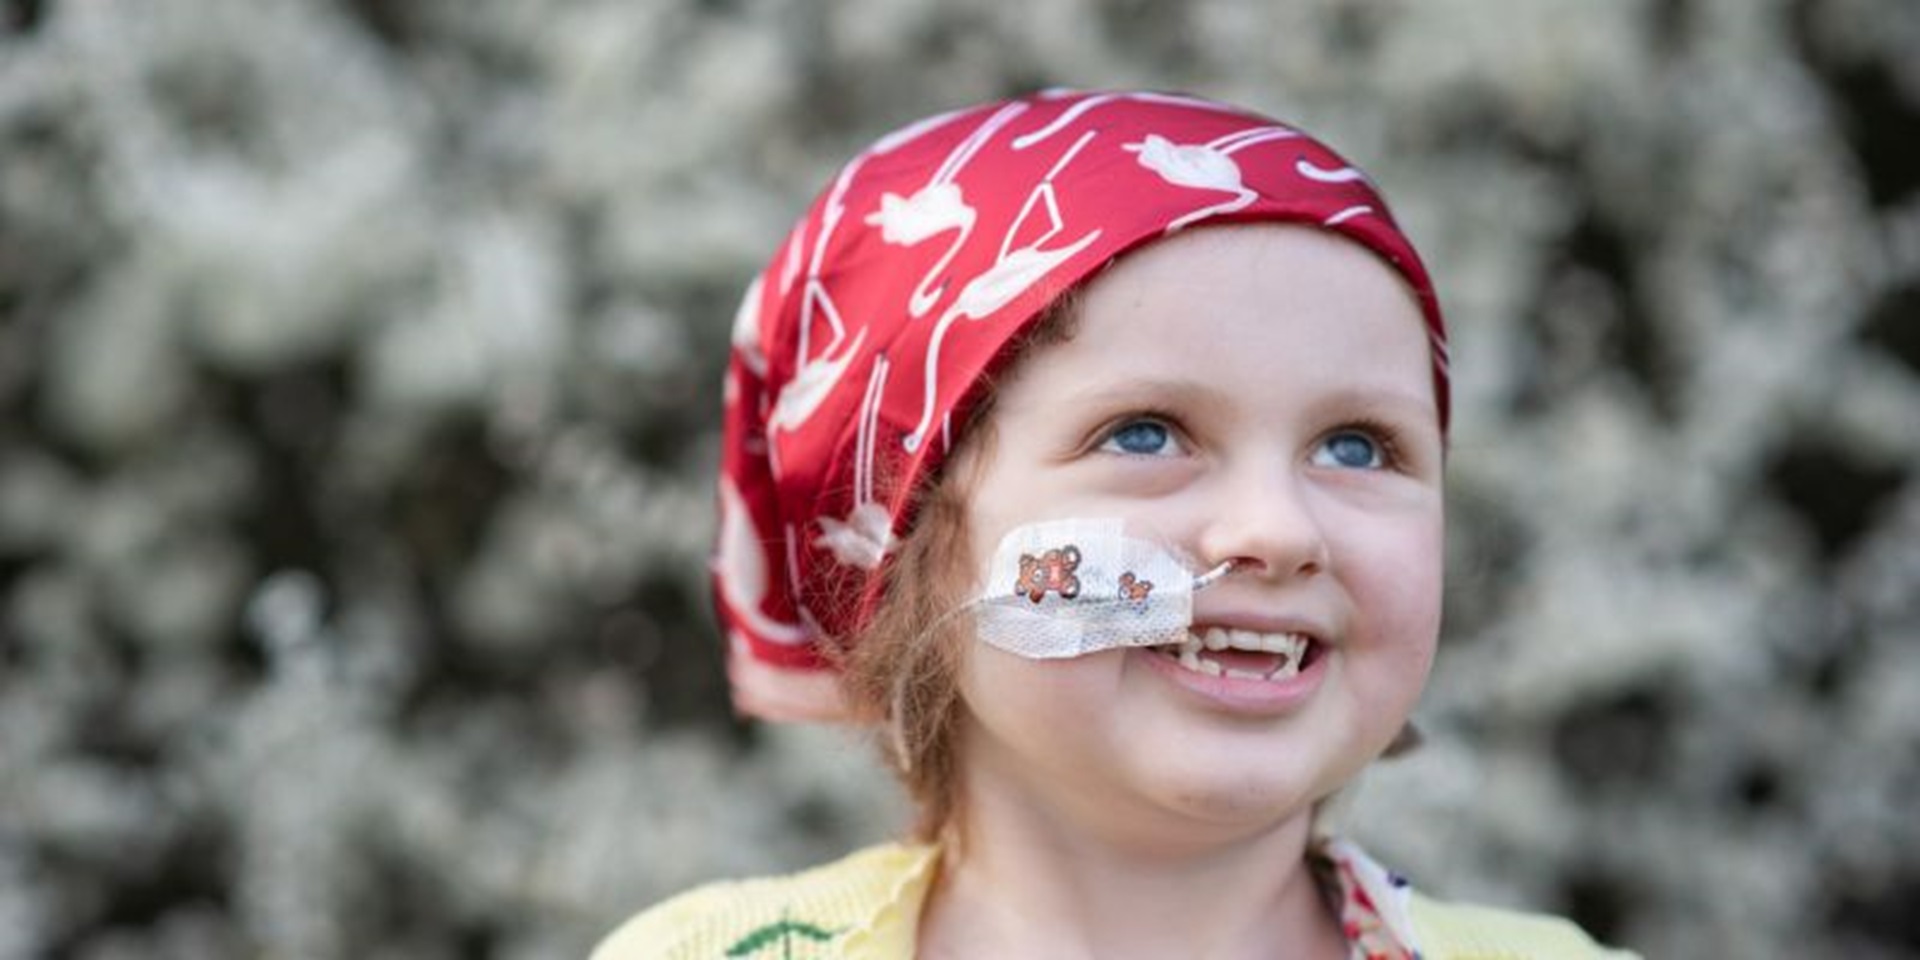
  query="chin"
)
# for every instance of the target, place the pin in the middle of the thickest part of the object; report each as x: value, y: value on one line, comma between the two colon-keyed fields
x: 1232, y: 792
x: 1250, y: 800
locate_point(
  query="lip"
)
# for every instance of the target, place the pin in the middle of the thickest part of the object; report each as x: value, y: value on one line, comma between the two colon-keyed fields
x: 1252, y: 698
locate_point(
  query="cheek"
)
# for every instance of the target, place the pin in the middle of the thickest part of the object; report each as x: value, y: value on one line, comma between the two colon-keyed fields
x: 998, y: 684
x: 1398, y: 601
x: 1416, y: 598
x: 1396, y: 580
x: 1034, y: 703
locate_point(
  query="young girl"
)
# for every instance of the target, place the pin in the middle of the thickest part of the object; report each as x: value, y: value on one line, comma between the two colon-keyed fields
x: 1089, y: 446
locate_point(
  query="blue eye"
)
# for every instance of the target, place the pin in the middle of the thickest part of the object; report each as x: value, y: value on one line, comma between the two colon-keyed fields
x: 1351, y: 450
x: 1141, y: 438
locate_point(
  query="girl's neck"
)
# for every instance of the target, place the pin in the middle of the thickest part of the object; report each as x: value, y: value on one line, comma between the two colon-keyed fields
x: 1026, y: 884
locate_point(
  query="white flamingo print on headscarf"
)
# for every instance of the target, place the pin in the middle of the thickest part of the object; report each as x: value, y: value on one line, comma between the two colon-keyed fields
x: 1012, y: 273
x: 1073, y: 113
x: 865, y: 536
x: 1305, y: 168
x: 814, y: 376
x: 742, y: 569
x: 746, y: 332
x: 936, y: 207
x: 1205, y: 166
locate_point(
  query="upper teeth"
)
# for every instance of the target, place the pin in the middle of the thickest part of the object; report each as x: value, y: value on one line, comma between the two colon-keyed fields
x: 1225, y: 638
x: 1291, y: 646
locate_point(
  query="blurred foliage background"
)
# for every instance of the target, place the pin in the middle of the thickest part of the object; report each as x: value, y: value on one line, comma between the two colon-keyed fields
x: 358, y: 397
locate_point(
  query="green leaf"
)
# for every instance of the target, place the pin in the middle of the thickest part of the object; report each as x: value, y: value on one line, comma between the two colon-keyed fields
x: 778, y: 932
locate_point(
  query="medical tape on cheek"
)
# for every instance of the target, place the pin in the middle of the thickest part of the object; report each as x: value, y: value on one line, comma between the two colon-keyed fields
x: 1067, y: 588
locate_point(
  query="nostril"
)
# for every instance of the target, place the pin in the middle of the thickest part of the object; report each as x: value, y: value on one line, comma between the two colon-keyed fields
x: 1308, y: 565
x: 1320, y: 560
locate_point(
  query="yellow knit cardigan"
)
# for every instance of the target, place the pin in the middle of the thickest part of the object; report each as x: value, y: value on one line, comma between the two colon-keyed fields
x: 867, y: 905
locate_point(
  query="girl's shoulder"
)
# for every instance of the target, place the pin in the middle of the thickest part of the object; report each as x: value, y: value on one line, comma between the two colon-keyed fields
x: 854, y: 907
x: 1454, y: 931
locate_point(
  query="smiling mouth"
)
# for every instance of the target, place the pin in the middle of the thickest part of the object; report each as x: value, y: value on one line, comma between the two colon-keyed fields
x: 1242, y: 654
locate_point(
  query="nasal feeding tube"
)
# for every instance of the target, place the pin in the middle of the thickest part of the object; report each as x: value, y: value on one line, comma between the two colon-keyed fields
x: 1067, y: 588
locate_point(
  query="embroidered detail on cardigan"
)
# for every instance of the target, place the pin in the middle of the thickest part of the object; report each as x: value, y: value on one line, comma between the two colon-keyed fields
x: 782, y: 932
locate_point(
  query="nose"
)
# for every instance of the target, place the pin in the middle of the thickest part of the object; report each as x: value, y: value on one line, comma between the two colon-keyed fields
x: 1268, y: 525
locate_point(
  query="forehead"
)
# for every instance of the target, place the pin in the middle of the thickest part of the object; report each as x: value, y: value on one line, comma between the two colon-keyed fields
x: 1255, y: 302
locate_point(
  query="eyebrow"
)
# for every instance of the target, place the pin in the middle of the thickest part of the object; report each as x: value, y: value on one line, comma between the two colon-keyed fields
x: 1390, y: 400
x: 1194, y: 393
x: 1151, y: 391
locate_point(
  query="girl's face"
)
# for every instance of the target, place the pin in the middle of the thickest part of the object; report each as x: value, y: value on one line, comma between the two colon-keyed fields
x: 1255, y: 393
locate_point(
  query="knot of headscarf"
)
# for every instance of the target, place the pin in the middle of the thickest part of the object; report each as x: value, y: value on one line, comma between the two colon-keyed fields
x: 858, y: 352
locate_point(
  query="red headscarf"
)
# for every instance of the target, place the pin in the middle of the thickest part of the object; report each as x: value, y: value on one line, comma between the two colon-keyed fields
x: 858, y: 350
